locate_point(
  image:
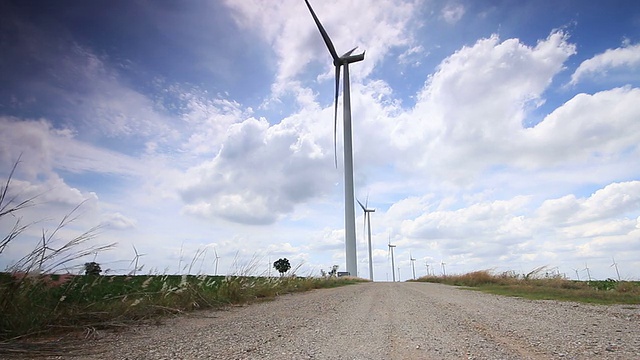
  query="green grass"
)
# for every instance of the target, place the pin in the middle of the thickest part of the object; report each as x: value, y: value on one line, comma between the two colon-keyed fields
x: 546, y: 288
x: 32, y: 305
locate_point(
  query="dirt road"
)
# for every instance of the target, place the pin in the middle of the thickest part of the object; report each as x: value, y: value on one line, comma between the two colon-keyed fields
x: 388, y: 321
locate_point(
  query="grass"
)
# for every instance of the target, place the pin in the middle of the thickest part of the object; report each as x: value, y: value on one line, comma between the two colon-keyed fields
x: 36, y: 301
x: 35, y: 305
x: 533, y: 286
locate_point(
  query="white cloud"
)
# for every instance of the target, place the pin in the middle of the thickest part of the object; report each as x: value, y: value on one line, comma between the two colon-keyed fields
x: 260, y: 174
x: 452, y: 13
x: 44, y: 148
x: 588, y: 128
x: 628, y: 56
x: 475, y: 104
x: 374, y: 27
x: 118, y: 221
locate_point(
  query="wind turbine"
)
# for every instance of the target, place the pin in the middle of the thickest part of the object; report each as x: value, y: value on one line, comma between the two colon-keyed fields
x: 216, y: 260
x: 444, y: 271
x: 577, y: 274
x: 393, y: 264
x: 427, y: 263
x: 135, y: 260
x: 616, y: 266
x: 413, y: 265
x: 367, y: 221
x: 349, y: 209
x: 588, y: 273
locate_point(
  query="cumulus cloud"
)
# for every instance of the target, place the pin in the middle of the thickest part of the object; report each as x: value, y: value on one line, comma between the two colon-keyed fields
x: 296, y: 40
x: 475, y: 103
x: 627, y: 56
x: 586, y: 128
x: 259, y: 175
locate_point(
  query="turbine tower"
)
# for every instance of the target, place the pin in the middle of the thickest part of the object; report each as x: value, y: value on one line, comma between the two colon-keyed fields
x: 413, y: 265
x: 367, y: 221
x: 393, y: 264
x: 349, y: 203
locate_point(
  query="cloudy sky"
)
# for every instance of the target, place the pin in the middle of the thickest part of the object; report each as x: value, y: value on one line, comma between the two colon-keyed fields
x: 487, y: 134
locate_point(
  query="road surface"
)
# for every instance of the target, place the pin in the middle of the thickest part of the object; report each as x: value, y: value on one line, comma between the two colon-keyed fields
x: 387, y: 321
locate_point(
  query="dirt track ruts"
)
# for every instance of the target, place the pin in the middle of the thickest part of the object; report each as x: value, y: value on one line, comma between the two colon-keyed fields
x: 387, y: 321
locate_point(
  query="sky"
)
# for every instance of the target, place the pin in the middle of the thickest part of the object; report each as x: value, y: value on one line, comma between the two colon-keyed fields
x: 498, y: 135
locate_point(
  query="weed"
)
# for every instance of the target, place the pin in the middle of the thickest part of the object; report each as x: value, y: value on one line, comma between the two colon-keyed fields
x: 535, y: 285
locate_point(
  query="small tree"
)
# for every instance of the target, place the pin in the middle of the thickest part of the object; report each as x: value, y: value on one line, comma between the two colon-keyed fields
x: 92, y: 268
x: 282, y: 265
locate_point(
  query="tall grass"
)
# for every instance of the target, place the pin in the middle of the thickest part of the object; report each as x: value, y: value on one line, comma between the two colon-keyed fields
x: 538, y: 285
x: 34, y: 300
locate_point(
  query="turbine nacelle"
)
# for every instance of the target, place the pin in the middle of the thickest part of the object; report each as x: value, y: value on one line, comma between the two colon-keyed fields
x: 347, y: 58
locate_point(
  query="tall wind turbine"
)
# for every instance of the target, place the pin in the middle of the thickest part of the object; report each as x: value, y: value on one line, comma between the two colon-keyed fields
x: 367, y: 221
x: 444, y: 270
x: 393, y: 264
x: 413, y: 265
x: 616, y: 266
x: 349, y: 208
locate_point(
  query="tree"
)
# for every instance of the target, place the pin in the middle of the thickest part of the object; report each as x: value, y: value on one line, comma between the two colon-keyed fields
x: 92, y: 268
x: 282, y: 265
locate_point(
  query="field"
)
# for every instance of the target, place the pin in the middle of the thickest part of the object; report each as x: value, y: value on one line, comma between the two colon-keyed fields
x: 37, y: 304
x: 546, y: 288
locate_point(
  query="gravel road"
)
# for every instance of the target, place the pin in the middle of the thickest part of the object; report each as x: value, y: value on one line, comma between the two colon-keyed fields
x: 387, y: 321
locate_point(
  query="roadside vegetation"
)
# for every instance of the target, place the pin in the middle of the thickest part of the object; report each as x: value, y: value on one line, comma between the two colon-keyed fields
x: 538, y: 286
x: 41, y: 296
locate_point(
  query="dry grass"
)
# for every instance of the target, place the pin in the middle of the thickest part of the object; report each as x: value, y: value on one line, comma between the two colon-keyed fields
x: 539, y: 285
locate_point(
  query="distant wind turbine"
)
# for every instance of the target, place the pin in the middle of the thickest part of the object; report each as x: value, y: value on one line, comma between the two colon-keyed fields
x: 444, y: 271
x: 616, y: 266
x: 349, y: 209
x: 588, y: 273
x: 135, y: 260
x: 216, y: 260
x: 393, y: 264
x: 427, y: 264
x: 413, y: 265
x: 367, y: 221
x: 577, y: 274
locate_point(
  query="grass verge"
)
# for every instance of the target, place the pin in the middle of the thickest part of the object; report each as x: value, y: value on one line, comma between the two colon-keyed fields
x: 55, y: 305
x: 545, y: 288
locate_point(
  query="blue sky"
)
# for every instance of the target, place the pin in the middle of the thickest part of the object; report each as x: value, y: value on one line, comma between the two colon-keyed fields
x: 487, y: 134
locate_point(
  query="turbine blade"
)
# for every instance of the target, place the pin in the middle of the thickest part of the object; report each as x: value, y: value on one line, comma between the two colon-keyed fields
x: 325, y: 37
x: 335, y: 117
x: 362, y: 206
x: 348, y: 53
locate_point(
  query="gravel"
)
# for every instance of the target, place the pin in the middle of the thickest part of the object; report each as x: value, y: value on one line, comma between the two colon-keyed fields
x: 386, y: 321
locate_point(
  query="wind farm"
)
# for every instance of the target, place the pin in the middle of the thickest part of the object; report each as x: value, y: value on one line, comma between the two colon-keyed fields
x: 156, y: 156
